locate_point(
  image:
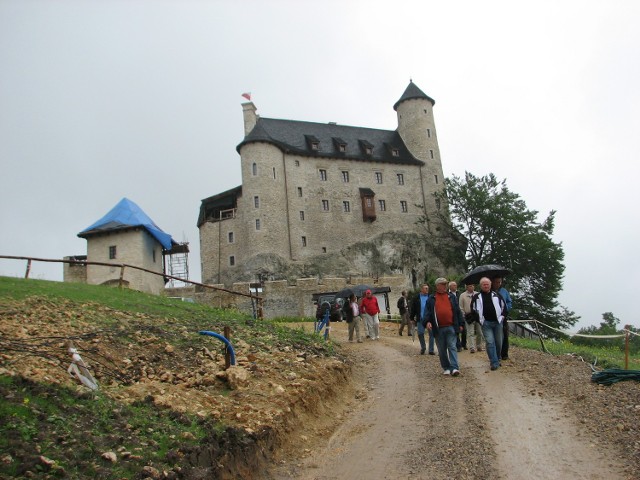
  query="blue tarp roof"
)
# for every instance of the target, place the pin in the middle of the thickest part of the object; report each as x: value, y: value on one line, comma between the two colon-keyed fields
x: 127, y: 214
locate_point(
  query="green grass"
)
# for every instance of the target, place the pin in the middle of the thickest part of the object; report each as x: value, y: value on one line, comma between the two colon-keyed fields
x: 603, y: 357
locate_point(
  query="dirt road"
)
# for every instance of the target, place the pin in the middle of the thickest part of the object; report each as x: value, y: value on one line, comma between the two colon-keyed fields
x: 405, y: 420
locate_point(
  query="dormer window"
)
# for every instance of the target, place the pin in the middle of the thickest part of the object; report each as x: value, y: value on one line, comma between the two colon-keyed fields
x: 367, y: 148
x: 395, y: 152
x: 340, y: 145
x: 313, y: 143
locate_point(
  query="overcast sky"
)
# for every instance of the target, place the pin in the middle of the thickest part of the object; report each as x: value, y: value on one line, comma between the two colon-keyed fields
x: 101, y: 100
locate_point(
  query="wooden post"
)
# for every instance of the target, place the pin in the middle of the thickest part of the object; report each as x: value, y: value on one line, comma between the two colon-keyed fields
x: 544, y: 349
x: 626, y: 346
x: 121, y: 281
x: 227, y: 354
x: 26, y: 275
x: 260, y: 311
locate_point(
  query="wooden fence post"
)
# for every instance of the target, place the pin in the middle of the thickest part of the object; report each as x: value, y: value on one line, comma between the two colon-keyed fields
x: 626, y: 346
x: 26, y: 274
x: 121, y: 281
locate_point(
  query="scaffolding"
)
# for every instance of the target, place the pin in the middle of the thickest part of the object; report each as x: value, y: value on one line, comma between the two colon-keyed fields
x: 177, y: 262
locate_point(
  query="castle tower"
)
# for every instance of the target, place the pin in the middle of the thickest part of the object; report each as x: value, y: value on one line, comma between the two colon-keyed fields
x: 417, y: 128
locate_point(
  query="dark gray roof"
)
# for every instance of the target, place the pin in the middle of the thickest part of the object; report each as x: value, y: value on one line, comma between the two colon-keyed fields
x: 221, y: 201
x: 294, y: 137
x: 413, y: 91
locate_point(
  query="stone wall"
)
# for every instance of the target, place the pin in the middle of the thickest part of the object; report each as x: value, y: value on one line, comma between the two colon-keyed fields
x: 283, y: 299
x: 74, y: 272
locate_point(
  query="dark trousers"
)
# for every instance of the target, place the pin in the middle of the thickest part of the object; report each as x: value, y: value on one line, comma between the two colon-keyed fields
x: 504, y: 353
x: 461, y: 341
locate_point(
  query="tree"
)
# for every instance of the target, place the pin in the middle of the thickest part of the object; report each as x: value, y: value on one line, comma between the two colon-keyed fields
x: 500, y: 229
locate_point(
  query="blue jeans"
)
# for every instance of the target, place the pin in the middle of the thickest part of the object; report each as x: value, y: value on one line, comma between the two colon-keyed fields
x: 447, y: 350
x: 492, y: 332
x: 423, y: 343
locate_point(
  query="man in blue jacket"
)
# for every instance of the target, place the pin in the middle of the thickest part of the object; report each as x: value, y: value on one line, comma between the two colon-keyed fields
x: 417, y: 316
x: 444, y: 320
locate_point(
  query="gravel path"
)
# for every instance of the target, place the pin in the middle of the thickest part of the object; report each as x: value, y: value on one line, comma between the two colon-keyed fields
x: 537, y: 417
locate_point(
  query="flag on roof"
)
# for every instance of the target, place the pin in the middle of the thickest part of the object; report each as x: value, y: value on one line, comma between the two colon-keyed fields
x: 247, y: 95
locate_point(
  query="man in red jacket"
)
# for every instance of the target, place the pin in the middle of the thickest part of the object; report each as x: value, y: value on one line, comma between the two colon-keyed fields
x: 370, y: 310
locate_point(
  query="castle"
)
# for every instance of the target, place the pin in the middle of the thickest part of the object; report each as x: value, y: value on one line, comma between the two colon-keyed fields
x: 327, y: 199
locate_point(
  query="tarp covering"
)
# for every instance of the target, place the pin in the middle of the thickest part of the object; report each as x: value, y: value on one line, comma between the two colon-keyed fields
x: 127, y: 214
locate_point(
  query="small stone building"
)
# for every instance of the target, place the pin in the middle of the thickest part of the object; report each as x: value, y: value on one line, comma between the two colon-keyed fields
x: 125, y: 235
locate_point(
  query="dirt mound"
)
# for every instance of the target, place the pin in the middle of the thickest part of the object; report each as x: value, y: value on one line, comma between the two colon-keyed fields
x: 137, y: 360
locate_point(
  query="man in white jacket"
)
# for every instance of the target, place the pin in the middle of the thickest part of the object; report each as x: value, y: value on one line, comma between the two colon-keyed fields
x: 491, y: 310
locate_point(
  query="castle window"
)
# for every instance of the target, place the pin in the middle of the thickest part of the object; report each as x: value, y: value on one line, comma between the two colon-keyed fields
x: 436, y: 178
x: 395, y: 152
x: 403, y: 206
x: 230, y: 237
x: 345, y: 177
x: 428, y: 132
x: 297, y: 163
x: 325, y: 205
x: 299, y: 191
x: 366, y: 147
x: 254, y: 169
x: 346, y: 207
x: 378, y: 177
x: 232, y: 260
x: 431, y: 153
x: 154, y: 255
x: 304, y: 241
x: 324, y: 249
x: 437, y: 204
x: 274, y: 173
x: 257, y: 224
x: 313, y: 142
x: 256, y: 201
x: 340, y: 145
x: 369, y: 202
x: 323, y: 175
x: 400, y: 179
x: 112, y: 252
x: 382, y: 205
x: 302, y: 215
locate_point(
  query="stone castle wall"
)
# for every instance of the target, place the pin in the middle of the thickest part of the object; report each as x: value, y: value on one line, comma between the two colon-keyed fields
x: 282, y: 299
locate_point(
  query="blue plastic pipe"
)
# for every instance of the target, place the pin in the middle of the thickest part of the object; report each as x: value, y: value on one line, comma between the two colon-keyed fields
x: 225, y: 340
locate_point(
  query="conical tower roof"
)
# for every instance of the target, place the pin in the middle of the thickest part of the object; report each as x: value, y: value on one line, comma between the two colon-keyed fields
x: 413, y: 91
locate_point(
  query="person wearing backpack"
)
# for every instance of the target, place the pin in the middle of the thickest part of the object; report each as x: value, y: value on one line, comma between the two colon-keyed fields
x: 490, y: 309
x: 352, y: 314
x: 403, y: 308
x: 444, y: 319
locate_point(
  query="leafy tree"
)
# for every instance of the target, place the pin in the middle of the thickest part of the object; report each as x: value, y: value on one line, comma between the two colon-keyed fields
x: 499, y: 228
x: 608, y: 326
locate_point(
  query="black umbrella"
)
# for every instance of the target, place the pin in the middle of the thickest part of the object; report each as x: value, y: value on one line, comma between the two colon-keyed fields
x: 358, y: 290
x: 490, y: 271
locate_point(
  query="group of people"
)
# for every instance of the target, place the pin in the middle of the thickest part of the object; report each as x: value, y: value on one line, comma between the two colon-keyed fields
x: 452, y: 322
x: 367, y: 311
